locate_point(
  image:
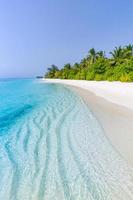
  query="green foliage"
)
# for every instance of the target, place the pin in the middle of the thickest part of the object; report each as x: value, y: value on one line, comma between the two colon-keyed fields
x: 131, y: 76
x: 52, y: 71
x: 125, y: 78
x: 96, y: 66
x: 90, y: 75
x: 98, y: 77
x: 100, y: 66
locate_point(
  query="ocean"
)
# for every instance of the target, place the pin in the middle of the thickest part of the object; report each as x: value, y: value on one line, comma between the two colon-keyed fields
x: 52, y: 147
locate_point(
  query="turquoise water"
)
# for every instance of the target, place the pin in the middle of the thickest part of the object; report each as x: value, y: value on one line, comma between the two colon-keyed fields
x: 53, y: 148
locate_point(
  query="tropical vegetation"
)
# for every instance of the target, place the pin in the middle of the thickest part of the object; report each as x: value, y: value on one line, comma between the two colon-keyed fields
x: 118, y: 66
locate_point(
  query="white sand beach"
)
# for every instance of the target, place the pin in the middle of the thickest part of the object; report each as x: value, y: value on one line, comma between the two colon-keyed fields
x: 112, y: 104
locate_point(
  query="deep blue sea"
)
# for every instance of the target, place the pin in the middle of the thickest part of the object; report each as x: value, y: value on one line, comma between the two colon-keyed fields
x: 53, y: 148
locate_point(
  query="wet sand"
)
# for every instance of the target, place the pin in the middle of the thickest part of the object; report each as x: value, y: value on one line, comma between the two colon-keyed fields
x: 117, y: 122
x: 112, y: 105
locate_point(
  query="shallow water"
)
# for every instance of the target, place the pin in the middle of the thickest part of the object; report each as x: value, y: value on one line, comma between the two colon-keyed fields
x: 53, y: 148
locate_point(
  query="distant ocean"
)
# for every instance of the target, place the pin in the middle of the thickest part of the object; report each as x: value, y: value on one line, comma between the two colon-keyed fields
x: 53, y: 148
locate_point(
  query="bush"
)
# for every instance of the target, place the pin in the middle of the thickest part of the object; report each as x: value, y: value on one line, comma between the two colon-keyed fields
x: 90, y: 75
x: 99, y: 77
x: 131, y: 76
x: 109, y: 74
x: 100, y: 66
x: 83, y: 74
x: 77, y: 76
x: 125, y: 78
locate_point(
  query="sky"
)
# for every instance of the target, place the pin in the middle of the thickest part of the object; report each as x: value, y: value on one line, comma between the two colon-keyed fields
x: 37, y: 33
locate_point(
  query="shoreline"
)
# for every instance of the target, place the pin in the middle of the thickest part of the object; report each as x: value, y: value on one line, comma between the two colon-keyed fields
x: 115, y: 119
x: 116, y: 122
x: 115, y: 92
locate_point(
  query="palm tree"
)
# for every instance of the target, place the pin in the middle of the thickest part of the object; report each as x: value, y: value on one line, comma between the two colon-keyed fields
x: 117, y: 53
x: 101, y: 54
x: 121, y: 55
x: 92, y: 56
x: 76, y: 66
x: 53, y: 68
x: 67, y: 66
x: 51, y: 71
x: 83, y: 63
x: 66, y: 70
x: 128, y: 50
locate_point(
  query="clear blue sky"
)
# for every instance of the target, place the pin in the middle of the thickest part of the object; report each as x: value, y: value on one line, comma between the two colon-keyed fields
x: 37, y: 33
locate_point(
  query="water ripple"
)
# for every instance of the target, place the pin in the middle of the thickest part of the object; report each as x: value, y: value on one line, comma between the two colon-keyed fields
x: 59, y: 151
